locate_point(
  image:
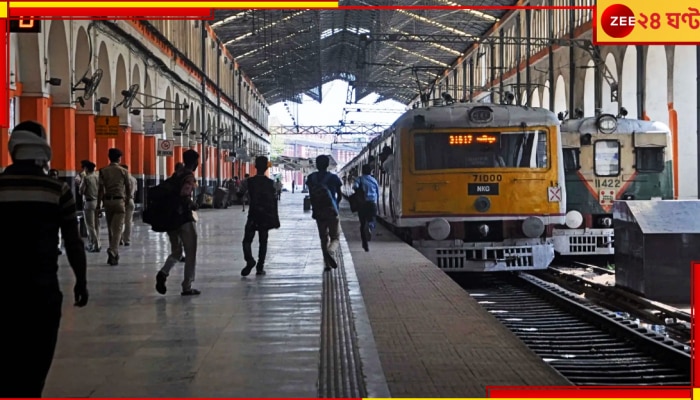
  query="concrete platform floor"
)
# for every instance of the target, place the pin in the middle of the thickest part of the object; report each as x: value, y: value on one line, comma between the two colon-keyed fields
x: 257, y: 336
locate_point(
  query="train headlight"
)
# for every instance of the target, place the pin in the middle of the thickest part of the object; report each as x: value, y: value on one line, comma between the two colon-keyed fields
x: 482, y: 204
x: 607, y: 123
x: 439, y: 229
x: 533, y: 227
x: 606, y: 222
x: 484, y: 230
x: 574, y: 219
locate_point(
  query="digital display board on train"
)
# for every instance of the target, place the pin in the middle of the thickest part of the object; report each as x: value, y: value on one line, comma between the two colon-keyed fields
x: 467, y: 139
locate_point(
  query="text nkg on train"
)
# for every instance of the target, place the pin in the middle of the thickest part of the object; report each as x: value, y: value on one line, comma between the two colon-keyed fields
x: 470, y: 184
x: 609, y: 158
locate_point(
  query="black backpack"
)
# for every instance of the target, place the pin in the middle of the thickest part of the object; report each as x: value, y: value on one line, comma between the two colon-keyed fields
x: 162, y: 207
x: 322, y: 202
x: 263, y: 203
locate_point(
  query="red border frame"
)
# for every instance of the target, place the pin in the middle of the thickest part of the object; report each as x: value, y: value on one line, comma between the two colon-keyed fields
x: 496, y: 392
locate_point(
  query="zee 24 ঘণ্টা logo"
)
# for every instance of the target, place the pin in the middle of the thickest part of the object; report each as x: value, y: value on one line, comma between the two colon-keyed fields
x: 619, y: 21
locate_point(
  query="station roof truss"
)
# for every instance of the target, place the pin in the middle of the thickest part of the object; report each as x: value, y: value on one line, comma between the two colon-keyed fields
x: 287, y: 53
x: 349, y: 129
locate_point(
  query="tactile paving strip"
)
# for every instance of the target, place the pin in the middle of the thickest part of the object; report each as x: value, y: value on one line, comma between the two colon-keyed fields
x: 340, y: 372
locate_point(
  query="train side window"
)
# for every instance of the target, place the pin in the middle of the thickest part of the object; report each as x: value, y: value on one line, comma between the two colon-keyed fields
x: 606, y: 154
x: 572, y: 160
x: 649, y: 159
x: 541, y: 150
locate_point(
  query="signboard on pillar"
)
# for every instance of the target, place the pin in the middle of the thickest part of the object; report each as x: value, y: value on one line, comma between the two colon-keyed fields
x: 153, y: 128
x: 166, y: 147
x: 106, y: 126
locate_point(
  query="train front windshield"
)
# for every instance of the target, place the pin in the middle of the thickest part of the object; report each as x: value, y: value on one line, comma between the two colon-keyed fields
x: 460, y: 150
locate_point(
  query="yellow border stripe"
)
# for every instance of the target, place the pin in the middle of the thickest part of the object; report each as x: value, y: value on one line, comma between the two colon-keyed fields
x: 159, y: 4
x: 3, y: 10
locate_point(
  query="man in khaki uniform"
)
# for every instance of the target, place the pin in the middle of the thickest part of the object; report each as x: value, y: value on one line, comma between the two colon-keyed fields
x: 114, y: 193
x: 89, y: 185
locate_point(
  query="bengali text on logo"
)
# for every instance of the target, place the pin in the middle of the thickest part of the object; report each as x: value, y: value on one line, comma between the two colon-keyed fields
x: 647, y: 22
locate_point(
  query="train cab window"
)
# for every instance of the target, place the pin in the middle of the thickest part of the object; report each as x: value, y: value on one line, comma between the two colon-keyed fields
x: 441, y: 150
x: 607, y: 158
x: 572, y: 161
x: 649, y: 159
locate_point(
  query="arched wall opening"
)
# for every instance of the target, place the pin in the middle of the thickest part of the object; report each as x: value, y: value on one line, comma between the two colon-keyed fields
x: 123, y: 141
x: 545, y: 95
x: 104, y: 89
x: 535, y: 98
x: 628, y: 84
x: 61, y: 127
x: 85, y: 145
x: 609, y: 107
x: 656, y: 85
x: 685, y: 125
x: 560, y: 103
x: 589, y: 90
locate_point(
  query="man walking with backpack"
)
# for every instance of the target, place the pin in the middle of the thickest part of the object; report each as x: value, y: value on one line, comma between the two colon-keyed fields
x: 325, y: 193
x: 367, y: 210
x: 182, y: 231
x: 262, y: 216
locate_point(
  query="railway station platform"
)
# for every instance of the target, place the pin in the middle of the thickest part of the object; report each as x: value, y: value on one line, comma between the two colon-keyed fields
x: 386, y: 323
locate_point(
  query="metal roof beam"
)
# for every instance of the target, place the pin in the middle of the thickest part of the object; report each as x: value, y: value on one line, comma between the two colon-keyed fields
x: 433, y: 44
x: 469, y: 11
x: 435, y: 23
x: 432, y: 60
x: 348, y: 129
x: 250, y: 53
x: 268, y: 26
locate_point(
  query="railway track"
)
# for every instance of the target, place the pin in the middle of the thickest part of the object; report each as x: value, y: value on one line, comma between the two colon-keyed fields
x: 586, y: 343
x: 676, y: 323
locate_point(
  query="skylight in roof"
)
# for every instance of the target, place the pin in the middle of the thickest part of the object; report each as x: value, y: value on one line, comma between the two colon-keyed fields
x: 331, y: 32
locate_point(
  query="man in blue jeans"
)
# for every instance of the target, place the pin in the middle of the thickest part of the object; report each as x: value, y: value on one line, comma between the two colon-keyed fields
x: 368, y: 209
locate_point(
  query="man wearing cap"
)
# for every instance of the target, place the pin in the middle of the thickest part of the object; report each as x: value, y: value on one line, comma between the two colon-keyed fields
x: 34, y: 207
x: 89, y: 190
x: 114, y: 192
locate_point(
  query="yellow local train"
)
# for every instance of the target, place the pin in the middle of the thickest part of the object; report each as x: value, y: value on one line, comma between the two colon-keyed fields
x: 472, y: 186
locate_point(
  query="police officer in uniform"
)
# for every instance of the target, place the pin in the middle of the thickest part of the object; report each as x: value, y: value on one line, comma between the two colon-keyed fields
x: 114, y: 192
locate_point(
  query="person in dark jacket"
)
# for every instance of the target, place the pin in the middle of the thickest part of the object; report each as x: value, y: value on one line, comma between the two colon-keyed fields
x: 262, y: 216
x: 186, y: 235
x: 34, y: 207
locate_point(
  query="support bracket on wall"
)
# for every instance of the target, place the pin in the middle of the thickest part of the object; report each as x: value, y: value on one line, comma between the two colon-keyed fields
x: 157, y: 103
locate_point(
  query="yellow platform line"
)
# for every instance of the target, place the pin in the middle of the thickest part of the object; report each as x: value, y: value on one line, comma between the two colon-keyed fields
x: 163, y: 4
